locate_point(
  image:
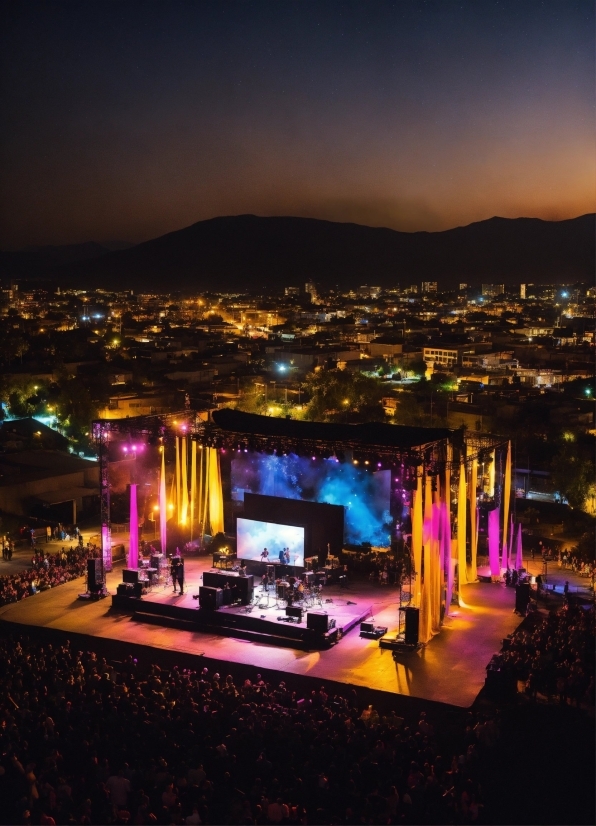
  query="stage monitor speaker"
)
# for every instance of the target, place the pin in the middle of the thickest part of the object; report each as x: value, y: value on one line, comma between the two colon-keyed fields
x: 125, y: 589
x: 294, y: 611
x: 94, y: 574
x: 367, y: 626
x: 156, y: 560
x: 210, y: 597
x: 130, y: 575
x: 412, y: 626
x: 317, y: 621
x: 522, y: 597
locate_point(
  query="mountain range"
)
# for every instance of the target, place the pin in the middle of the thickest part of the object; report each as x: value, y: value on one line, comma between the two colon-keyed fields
x: 247, y: 252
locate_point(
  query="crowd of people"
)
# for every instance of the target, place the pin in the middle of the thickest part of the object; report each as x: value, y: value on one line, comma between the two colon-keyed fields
x: 87, y: 741
x: 46, y: 571
x: 556, y: 657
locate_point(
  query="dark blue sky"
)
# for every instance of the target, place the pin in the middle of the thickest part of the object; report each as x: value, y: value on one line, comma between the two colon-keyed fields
x: 130, y: 119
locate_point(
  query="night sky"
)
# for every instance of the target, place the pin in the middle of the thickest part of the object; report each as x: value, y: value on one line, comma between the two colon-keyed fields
x: 126, y: 120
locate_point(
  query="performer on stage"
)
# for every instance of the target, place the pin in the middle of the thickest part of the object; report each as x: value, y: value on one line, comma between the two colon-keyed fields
x: 177, y: 570
x: 242, y: 571
x: 287, y: 556
x: 282, y: 556
x: 265, y: 555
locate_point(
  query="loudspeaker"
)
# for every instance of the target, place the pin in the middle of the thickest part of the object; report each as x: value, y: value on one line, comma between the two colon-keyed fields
x: 412, y: 626
x: 367, y: 626
x: 210, y: 598
x: 130, y: 575
x: 318, y: 622
x: 125, y: 589
x: 294, y: 611
x: 522, y: 597
x: 94, y: 574
x: 137, y: 590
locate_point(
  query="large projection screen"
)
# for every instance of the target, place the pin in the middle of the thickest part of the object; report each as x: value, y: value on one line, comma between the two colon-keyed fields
x: 252, y: 536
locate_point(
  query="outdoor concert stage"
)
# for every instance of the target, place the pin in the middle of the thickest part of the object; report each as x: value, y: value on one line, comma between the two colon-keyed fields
x: 451, y: 668
x: 263, y: 620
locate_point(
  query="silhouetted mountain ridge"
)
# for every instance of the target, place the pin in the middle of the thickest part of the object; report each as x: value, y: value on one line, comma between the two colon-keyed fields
x: 245, y: 252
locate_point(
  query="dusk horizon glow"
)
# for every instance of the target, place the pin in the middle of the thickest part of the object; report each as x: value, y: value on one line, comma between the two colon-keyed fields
x: 128, y: 121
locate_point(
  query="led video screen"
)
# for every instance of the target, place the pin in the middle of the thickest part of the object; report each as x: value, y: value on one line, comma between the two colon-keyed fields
x: 364, y: 495
x: 252, y: 536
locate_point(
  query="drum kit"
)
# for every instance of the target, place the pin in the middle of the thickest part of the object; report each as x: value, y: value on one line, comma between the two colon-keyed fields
x: 294, y: 592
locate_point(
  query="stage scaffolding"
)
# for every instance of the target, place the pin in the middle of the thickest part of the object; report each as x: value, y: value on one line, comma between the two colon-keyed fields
x: 156, y: 427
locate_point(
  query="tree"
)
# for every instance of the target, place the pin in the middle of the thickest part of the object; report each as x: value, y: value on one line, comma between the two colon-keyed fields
x: 339, y: 396
x: 573, y: 469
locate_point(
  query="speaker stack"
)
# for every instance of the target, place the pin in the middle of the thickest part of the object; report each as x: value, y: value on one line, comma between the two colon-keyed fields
x: 95, y: 578
x: 210, y: 598
x: 522, y: 597
x: 412, y: 631
x: 317, y: 621
x: 294, y: 611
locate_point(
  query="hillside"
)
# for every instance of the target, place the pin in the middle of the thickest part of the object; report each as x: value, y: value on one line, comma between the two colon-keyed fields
x: 239, y: 252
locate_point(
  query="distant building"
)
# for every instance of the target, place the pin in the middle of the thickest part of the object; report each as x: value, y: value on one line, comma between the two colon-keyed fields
x: 463, y: 287
x: 368, y: 292
x: 522, y: 290
x: 310, y: 288
x: 429, y: 286
x: 413, y: 288
x: 292, y: 291
x: 492, y: 290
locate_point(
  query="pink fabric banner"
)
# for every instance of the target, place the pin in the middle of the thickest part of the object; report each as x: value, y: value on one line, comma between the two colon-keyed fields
x: 446, y: 548
x: 133, y: 542
x: 493, y: 542
x: 519, y: 560
x: 163, y: 504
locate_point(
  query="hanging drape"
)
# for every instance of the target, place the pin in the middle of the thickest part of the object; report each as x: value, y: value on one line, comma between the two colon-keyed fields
x: 447, y: 554
x: 133, y: 536
x: 473, y: 522
x: 200, y: 507
x: 178, y: 504
x: 506, y: 497
x: 163, y: 504
x: 215, y: 493
x: 193, y: 485
x: 519, y: 560
x: 461, y: 528
x: 207, y: 452
x: 184, y: 481
x: 493, y: 542
x: 417, y: 542
x: 491, y: 474
x: 426, y: 590
x: 435, y: 565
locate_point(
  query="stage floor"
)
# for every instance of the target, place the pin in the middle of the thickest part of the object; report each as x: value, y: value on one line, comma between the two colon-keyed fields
x: 450, y: 669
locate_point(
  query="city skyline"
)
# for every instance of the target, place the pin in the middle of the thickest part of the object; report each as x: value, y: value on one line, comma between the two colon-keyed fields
x: 127, y: 122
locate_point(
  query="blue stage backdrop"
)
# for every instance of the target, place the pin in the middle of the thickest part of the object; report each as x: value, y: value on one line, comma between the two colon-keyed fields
x: 254, y: 535
x: 364, y: 495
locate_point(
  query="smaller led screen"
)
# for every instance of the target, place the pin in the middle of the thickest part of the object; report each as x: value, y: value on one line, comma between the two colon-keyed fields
x: 252, y: 536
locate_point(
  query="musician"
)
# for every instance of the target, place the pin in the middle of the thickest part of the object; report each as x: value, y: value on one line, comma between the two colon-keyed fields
x: 265, y: 582
x: 282, y: 556
x: 242, y: 571
x: 265, y: 555
x: 178, y: 573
